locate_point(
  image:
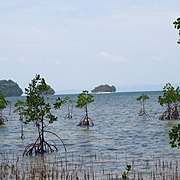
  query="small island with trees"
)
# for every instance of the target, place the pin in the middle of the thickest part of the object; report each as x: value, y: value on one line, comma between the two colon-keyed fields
x: 10, y: 88
x: 104, y: 89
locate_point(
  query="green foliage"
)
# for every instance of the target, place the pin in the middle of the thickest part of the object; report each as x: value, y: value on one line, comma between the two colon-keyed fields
x: 126, y: 172
x: 3, y: 102
x: 177, y: 26
x: 57, y: 104
x: 171, y: 98
x: 84, y: 99
x: 104, y: 88
x: 142, y: 97
x: 68, y: 100
x: 20, y: 105
x: 169, y: 95
x: 49, y: 91
x: 35, y: 108
x: 174, y: 135
x: 10, y: 88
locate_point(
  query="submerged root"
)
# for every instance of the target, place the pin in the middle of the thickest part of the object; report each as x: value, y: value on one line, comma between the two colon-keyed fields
x: 68, y: 116
x: 143, y: 112
x: 37, y: 148
x: 86, y: 121
x: 41, y: 146
x: 170, y: 114
x: 2, y: 119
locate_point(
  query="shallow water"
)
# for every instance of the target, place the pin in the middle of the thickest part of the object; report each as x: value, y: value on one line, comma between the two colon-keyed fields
x: 119, y: 132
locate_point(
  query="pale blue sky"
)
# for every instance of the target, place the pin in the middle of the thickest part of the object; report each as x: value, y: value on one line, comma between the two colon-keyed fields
x: 79, y: 44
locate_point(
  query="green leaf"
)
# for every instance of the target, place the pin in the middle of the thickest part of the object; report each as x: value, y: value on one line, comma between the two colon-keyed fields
x: 84, y: 99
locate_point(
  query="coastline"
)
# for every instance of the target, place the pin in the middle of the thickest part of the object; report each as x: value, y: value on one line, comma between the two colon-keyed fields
x: 103, y: 92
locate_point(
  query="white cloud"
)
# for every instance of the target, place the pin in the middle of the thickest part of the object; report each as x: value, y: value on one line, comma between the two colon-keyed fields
x: 111, y: 58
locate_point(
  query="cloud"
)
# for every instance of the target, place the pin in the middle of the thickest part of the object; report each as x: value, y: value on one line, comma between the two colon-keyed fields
x: 111, y: 58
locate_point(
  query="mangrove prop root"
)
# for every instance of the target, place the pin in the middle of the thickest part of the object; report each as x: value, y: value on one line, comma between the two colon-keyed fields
x: 41, y: 146
x: 169, y: 114
x: 2, y: 119
x: 143, y: 112
x: 58, y: 138
x: 86, y: 121
x: 37, y: 148
x: 68, y: 116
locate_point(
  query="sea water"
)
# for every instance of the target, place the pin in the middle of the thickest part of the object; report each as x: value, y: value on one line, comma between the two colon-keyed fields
x: 118, y: 132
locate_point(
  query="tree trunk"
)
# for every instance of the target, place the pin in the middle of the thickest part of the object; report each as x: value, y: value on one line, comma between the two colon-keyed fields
x: 87, y: 118
x: 169, y: 112
x: 42, y: 136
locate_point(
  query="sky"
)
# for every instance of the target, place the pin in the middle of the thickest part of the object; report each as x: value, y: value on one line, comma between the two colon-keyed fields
x: 79, y: 44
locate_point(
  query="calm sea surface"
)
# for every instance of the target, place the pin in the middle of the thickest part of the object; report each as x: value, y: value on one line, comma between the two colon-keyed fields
x: 119, y: 132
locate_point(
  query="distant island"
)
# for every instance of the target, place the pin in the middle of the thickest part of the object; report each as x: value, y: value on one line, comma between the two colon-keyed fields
x: 10, y: 88
x: 104, y: 89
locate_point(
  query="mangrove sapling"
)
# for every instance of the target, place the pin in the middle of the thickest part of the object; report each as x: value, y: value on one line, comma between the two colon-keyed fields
x: 170, y: 99
x: 70, y: 105
x: 142, y: 98
x: 20, y: 107
x: 36, y: 109
x: 3, y: 105
x: 83, y: 100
